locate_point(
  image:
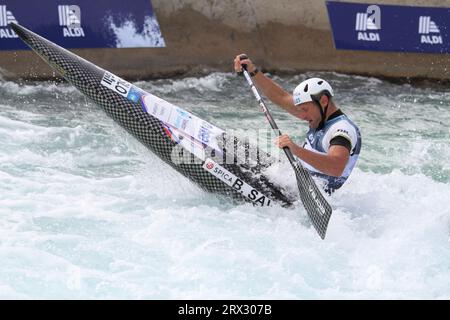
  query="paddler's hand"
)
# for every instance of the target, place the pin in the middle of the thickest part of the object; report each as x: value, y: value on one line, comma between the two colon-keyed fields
x: 245, y: 60
x: 284, y: 141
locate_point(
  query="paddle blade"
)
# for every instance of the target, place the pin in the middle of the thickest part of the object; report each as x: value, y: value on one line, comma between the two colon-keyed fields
x: 318, y: 209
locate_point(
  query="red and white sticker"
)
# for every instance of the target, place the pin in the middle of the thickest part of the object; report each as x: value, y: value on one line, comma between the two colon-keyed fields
x: 237, y: 184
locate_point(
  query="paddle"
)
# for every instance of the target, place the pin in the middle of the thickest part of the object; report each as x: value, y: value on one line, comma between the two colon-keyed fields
x: 318, y: 209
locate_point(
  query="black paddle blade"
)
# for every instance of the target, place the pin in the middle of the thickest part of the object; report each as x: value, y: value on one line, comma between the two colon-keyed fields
x: 318, y: 209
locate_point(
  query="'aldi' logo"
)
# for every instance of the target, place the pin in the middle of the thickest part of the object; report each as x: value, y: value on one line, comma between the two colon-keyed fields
x: 6, y: 17
x: 70, y: 20
x: 367, y: 23
x: 429, y: 32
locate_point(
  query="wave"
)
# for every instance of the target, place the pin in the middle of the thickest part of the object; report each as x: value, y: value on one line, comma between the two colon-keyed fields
x: 34, y: 88
x: 85, y: 203
x: 127, y: 35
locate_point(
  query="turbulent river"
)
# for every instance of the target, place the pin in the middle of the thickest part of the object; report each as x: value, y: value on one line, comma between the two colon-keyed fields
x: 87, y: 212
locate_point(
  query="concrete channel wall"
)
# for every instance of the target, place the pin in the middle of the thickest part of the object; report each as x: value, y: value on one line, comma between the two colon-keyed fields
x: 280, y: 36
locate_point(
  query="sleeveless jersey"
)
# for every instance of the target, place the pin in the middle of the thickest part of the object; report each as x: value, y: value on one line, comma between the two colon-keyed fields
x: 318, y: 140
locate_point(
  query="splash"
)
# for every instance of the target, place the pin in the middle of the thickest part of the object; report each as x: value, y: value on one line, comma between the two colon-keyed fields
x: 127, y: 35
x: 87, y: 212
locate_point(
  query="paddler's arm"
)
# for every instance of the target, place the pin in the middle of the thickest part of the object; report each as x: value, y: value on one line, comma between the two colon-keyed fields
x: 270, y: 89
x: 333, y: 163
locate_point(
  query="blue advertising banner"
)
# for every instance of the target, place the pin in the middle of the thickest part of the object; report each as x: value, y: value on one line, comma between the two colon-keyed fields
x: 82, y: 23
x: 374, y: 27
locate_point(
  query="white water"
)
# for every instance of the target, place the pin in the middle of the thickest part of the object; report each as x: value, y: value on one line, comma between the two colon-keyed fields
x: 127, y: 35
x: 87, y: 212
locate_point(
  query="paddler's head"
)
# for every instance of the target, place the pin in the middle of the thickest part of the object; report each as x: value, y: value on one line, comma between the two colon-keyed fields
x: 312, y: 97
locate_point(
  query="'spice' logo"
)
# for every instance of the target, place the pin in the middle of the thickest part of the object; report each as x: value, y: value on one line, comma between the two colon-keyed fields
x: 6, y: 17
x: 210, y: 165
x: 70, y: 19
x: 426, y: 28
x: 369, y: 20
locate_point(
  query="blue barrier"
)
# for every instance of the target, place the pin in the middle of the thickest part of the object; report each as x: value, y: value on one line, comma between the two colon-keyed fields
x: 82, y: 23
x: 374, y: 27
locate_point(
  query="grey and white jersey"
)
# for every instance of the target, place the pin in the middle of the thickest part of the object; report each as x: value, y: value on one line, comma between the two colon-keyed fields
x: 337, y: 127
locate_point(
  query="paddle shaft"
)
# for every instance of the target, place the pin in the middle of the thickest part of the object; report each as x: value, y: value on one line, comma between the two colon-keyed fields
x: 317, y: 208
x: 267, y: 113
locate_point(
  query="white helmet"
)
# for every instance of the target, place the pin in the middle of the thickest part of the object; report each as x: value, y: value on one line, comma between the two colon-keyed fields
x: 311, y: 90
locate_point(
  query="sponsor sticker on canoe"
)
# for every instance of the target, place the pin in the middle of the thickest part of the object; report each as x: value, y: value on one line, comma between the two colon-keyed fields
x: 199, y: 133
x: 237, y: 184
x: 116, y: 84
x: 135, y: 94
x: 186, y: 129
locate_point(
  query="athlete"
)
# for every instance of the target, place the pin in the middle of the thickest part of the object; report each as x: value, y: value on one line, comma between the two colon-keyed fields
x: 333, y: 142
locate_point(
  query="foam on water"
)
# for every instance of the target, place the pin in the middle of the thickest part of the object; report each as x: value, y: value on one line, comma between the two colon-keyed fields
x: 87, y: 212
x: 13, y: 88
x: 127, y: 35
